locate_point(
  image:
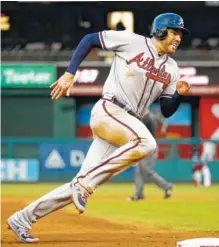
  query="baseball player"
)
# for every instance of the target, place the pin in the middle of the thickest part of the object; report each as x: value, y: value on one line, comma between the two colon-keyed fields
x: 140, y: 73
x: 200, y: 170
x: 145, y: 169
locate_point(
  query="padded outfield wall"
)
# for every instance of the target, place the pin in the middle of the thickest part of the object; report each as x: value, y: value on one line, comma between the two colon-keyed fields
x: 46, y: 160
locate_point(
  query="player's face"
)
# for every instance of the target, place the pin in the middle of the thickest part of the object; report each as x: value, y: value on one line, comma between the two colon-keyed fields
x: 172, y: 41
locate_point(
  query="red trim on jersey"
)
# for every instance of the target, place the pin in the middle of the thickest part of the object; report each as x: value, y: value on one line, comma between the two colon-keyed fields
x: 102, y: 41
x: 104, y: 107
x: 124, y: 151
x: 149, y: 48
x: 142, y: 93
x: 155, y: 81
x: 150, y: 93
x: 157, y: 78
x: 144, y: 89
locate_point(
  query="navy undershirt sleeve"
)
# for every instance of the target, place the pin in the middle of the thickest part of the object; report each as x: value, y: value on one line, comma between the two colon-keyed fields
x: 169, y: 106
x: 82, y: 50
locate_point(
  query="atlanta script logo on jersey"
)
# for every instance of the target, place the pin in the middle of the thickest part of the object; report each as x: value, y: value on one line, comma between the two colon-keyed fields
x: 153, y: 73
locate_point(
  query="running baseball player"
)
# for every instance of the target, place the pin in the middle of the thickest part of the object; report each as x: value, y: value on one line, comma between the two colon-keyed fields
x: 145, y: 169
x: 200, y: 170
x: 140, y: 73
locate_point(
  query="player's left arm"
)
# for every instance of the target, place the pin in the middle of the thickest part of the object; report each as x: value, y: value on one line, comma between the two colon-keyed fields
x: 169, y: 103
x: 172, y: 96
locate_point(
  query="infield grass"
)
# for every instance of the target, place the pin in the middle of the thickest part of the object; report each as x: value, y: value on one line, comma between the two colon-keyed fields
x: 189, y: 208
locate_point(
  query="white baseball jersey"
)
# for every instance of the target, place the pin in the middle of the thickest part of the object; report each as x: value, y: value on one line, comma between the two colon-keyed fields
x: 138, y: 75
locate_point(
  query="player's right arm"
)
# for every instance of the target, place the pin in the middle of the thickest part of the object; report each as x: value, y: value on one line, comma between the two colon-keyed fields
x: 64, y: 84
x: 107, y: 40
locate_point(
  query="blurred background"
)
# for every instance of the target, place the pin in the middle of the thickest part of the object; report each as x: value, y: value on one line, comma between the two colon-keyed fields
x: 45, y: 140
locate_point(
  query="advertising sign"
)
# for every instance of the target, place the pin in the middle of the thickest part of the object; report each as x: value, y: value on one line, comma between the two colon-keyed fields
x: 61, y: 162
x: 179, y: 124
x: 89, y: 80
x: 209, y: 118
x: 19, y: 170
x: 88, y: 75
x: 97, y: 74
x: 209, y: 126
x: 26, y: 75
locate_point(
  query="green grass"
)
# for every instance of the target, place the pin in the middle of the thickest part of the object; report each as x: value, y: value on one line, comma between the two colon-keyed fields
x: 189, y: 209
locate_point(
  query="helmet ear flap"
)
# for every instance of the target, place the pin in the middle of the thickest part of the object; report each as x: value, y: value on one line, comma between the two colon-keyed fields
x: 160, y: 34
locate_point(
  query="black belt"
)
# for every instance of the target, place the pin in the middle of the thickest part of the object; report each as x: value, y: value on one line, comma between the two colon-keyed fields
x: 121, y: 105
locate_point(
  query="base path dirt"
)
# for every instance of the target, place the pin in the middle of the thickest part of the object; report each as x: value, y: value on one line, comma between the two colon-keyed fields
x: 63, y: 229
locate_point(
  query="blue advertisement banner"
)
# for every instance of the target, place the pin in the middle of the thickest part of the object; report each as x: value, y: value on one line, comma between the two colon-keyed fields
x: 61, y: 162
x: 19, y: 170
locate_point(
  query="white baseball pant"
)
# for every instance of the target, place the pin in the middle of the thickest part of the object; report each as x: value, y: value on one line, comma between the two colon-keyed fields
x: 126, y: 141
x: 120, y: 141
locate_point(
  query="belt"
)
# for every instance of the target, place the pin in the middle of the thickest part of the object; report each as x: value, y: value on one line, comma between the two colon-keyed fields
x: 121, y: 105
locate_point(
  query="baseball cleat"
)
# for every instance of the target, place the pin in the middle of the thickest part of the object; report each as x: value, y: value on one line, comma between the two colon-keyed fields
x: 168, y: 192
x: 80, y: 196
x: 135, y: 198
x: 22, y: 235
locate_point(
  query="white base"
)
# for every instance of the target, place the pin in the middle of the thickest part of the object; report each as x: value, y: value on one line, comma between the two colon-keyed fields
x: 199, y: 242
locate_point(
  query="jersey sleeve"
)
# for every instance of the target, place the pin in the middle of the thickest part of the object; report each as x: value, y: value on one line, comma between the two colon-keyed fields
x: 115, y: 40
x: 171, y: 88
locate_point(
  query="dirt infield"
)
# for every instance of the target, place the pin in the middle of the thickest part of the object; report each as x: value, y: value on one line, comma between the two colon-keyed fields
x: 63, y: 229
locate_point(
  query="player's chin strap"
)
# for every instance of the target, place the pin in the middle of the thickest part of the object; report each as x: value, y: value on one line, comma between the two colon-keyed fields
x: 115, y: 101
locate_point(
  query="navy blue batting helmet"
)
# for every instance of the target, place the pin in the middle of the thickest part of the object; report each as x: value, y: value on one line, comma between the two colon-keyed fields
x: 164, y: 21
